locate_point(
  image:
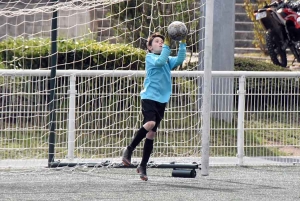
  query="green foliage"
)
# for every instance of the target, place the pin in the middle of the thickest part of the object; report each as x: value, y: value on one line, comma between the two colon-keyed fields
x: 263, y: 92
x: 259, y: 32
x: 249, y: 64
x: 143, y: 17
x: 83, y: 54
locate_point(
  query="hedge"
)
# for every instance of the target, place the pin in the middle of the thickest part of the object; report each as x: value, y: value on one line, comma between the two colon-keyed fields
x: 83, y: 54
x: 250, y: 64
x: 263, y: 93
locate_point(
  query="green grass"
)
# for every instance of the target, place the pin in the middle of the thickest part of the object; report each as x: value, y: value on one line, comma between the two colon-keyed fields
x: 175, y: 142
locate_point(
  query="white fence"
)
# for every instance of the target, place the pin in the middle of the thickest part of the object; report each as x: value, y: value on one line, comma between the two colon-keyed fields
x: 255, y: 116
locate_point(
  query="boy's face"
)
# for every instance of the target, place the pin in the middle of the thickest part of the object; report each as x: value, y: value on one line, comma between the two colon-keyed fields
x: 156, y: 46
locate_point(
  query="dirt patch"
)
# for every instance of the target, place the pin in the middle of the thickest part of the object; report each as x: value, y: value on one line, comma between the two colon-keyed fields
x: 287, y: 149
x: 292, y: 151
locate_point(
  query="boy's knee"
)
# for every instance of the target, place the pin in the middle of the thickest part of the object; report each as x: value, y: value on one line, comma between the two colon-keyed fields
x: 150, y: 135
x: 149, y: 125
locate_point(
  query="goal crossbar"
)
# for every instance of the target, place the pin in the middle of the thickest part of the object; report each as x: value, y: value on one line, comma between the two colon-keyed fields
x: 141, y: 73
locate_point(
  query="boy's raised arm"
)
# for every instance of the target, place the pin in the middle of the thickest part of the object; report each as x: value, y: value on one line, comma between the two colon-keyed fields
x: 165, y: 53
x: 178, y: 60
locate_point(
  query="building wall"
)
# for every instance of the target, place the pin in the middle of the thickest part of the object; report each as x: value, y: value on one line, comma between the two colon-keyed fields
x: 71, y: 24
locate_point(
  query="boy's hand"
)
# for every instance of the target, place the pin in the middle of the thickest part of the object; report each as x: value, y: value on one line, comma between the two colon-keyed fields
x: 167, y: 40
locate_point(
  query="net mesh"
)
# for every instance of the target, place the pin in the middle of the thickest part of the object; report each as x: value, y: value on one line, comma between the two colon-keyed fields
x: 93, y: 35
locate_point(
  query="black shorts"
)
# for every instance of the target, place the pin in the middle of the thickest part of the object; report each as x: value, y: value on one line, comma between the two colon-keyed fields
x: 153, y: 111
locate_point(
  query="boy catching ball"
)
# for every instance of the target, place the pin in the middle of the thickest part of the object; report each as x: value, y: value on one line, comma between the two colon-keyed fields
x: 155, y: 95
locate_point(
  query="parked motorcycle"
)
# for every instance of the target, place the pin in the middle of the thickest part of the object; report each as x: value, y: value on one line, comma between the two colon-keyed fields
x: 276, y: 22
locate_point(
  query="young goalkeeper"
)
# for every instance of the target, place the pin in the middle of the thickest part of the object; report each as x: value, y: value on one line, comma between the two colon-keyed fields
x: 155, y: 95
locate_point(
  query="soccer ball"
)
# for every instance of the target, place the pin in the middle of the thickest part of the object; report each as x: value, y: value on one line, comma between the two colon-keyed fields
x: 177, y: 30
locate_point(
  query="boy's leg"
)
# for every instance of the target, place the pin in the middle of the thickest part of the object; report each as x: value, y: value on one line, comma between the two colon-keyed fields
x: 140, y: 135
x: 148, y: 110
x: 148, y: 146
x: 126, y: 158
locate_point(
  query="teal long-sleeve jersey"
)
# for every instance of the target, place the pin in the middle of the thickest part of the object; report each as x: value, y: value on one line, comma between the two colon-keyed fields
x: 158, y: 83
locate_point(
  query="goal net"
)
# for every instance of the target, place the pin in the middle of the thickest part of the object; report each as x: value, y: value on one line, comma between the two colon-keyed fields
x: 97, y: 113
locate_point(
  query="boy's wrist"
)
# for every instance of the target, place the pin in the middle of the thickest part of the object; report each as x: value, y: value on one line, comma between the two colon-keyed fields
x: 167, y: 42
x: 183, y: 40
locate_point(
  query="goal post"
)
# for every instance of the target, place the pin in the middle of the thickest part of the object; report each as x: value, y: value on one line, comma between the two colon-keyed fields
x: 94, y: 117
x: 206, y: 108
x: 218, y: 56
x: 100, y: 71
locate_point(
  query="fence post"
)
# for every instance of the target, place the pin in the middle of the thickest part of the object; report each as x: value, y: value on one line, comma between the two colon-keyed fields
x: 71, y: 121
x: 240, y: 128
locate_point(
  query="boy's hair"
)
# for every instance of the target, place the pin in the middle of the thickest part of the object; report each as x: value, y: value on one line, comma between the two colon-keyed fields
x: 151, y: 37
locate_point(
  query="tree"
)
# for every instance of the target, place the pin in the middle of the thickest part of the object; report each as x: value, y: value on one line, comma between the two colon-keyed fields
x: 139, y: 20
x: 259, y: 32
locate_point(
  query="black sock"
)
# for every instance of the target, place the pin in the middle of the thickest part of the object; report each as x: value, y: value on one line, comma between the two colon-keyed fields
x: 140, y: 135
x: 148, y: 147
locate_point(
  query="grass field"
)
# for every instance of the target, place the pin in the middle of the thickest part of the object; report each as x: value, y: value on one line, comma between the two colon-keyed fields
x: 262, y: 138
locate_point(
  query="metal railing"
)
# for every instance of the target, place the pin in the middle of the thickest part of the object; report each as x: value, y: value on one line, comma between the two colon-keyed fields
x: 254, y: 115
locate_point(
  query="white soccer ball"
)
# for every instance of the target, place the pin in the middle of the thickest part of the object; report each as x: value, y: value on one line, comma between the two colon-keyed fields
x: 177, y: 30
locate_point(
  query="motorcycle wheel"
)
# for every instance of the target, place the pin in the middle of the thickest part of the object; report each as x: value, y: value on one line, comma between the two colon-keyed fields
x: 277, y: 55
